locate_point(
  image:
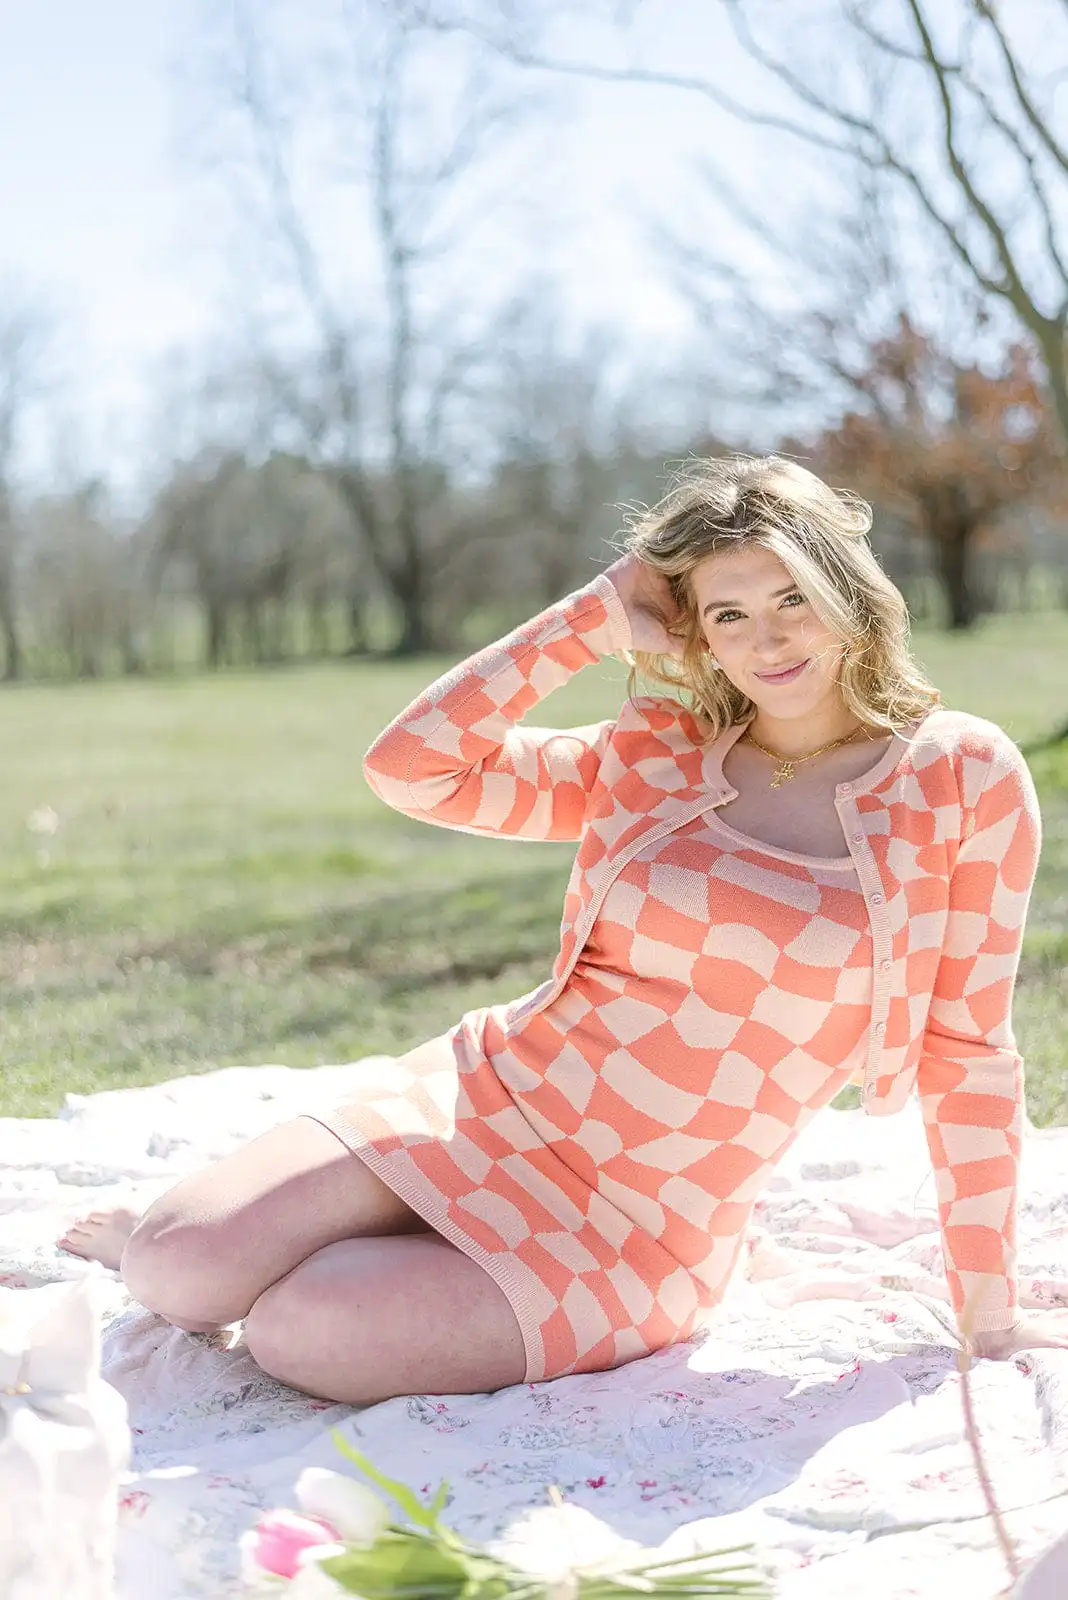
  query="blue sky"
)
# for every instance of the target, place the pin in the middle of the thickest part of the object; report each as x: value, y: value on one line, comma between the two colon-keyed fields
x: 101, y: 210
x: 90, y: 208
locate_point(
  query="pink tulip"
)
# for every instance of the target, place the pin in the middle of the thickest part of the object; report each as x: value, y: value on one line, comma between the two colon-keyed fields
x: 276, y: 1542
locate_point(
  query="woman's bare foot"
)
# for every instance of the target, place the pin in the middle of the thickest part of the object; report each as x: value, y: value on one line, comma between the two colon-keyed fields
x: 101, y: 1236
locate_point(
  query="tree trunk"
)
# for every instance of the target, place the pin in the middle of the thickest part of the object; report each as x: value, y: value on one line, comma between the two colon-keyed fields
x: 1052, y: 337
x: 952, y: 551
x: 12, y: 643
x: 359, y: 644
x: 132, y: 647
x: 1055, y: 351
x: 408, y: 592
x: 318, y: 625
x: 8, y: 619
x: 255, y: 635
x: 216, y: 620
x: 557, y: 563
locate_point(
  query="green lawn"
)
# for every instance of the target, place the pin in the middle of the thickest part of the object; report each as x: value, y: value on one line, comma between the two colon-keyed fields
x: 222, y: 888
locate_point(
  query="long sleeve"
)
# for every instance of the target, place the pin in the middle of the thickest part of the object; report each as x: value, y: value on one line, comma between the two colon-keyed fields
x: 970, y: 1078
x: 457, y: 757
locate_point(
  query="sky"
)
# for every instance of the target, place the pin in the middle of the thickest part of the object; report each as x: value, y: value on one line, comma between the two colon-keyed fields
x: 106, y: 215
x: 90, y: 204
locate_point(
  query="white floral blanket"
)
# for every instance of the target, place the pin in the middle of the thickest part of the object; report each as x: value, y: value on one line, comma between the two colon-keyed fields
x: 819, y: 1416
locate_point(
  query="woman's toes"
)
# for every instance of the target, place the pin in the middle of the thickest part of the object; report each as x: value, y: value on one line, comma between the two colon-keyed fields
x: 100, y: 1236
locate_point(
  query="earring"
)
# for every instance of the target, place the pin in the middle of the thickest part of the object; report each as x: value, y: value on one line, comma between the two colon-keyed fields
x: 714, y: 663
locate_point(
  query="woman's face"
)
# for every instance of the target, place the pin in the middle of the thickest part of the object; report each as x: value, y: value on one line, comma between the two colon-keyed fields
x: 764, y: 633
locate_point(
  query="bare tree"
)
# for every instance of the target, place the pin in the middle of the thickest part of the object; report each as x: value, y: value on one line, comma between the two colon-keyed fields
x: 923, y: 402
x: 85, y: 599
x: 262, y: 546
x: 997, y: 192
x: 24, y: 337
x: 558, y: 421
x: 392, y: 363
x: 951, y: 447
x: 184, y: 531
x: 950, y: 101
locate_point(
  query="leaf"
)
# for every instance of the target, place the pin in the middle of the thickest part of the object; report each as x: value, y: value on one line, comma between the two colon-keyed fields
x: 663, y: 1563
x: 438, y: 1502
x: 408, y: 1501
x: 709, y: 1574
x: 402, y: 1564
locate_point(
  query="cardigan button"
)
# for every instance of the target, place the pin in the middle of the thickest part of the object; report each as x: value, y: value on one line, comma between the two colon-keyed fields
x: 845, y: 788
x: 876, y: 899
x: 880, y: 1027
x: 858, y: 838
x: 886, y: 964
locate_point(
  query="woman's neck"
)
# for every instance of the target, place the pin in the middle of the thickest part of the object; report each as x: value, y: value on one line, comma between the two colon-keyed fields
x: 799, y: 736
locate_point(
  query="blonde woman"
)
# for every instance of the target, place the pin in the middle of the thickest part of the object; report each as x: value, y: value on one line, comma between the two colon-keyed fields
x: 809, y: 872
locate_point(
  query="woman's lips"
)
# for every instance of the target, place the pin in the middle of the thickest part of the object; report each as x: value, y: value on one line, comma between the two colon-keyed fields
x: 783, y: 677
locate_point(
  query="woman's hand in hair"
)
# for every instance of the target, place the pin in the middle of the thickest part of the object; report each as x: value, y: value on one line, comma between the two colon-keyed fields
x: 650, y: 605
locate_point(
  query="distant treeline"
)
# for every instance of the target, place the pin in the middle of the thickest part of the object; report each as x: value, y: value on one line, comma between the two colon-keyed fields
x: 242, y: 562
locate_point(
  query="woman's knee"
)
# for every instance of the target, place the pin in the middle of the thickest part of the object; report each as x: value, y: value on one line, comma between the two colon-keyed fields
x: 271, y: 1331
x: 182, y: 1268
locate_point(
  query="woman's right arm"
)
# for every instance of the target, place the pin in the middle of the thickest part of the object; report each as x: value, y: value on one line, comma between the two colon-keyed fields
x: 457, y: 755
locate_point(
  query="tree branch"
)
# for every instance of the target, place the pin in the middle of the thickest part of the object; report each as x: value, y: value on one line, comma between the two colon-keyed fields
x: 881, y: 41
x: 1012, y: 137
x: 648, y: 75
x: 1041, y: 127
x: 881, y: 156
x: 268, y: 144
x: 785, y: 74
x: 1014, y: 288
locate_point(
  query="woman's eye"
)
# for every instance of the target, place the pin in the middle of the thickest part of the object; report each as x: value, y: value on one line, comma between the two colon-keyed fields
x: 726, y: 616
x: 795, y: 599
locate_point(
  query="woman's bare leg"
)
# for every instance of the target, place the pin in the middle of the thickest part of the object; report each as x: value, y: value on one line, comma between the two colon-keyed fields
x: 364, y: 1320
x: 205, y: 1251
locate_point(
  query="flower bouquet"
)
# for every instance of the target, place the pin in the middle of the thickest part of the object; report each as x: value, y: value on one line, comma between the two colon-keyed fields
x: 344, y: 1540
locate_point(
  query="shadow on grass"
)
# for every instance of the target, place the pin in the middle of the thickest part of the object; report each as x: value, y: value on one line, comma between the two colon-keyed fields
x: 400, y: 940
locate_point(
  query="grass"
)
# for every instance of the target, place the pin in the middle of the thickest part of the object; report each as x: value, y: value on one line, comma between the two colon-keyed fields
x: 220, y: 886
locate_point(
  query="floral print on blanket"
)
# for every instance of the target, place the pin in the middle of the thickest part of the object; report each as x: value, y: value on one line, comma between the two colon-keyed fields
x: 817, y: 1414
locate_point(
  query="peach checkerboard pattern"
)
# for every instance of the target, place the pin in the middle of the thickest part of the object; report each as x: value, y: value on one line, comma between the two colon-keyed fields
x: 597, y: 1145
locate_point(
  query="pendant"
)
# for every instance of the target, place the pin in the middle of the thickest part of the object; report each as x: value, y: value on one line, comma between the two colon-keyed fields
x: 783, y: 774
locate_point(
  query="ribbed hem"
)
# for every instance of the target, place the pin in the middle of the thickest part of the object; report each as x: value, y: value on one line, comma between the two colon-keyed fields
x: 424, y: 1202
x: 618, y: 620
x: 993, y: 1321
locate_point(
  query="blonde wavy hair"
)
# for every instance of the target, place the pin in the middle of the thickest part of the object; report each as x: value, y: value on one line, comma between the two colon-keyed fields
x: 820, y: 536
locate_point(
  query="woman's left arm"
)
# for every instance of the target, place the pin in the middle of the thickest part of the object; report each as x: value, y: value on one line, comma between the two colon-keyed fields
x: 970, y: 1077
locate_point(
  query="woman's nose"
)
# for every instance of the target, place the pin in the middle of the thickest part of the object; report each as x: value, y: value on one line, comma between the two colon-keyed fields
x: 769, y: 633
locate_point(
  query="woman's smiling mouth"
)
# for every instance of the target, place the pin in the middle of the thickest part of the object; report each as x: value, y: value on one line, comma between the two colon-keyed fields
x: 786, y: 676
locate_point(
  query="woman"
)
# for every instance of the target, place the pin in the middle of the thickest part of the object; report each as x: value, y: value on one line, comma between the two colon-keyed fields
x: 812, y: 872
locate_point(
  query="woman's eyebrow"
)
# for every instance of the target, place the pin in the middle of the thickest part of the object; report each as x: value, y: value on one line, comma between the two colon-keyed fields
x: 790, y: 587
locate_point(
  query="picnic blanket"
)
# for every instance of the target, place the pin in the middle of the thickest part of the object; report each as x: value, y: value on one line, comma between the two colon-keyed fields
x: 818, y: 1414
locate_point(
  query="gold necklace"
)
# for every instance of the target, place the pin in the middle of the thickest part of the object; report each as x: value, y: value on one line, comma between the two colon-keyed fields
x: 785, y: 770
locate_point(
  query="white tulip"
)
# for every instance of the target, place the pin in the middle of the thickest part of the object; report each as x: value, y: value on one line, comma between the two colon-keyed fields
x: 355, y: 1511
x: 552, y: 1541
x: 311, y: 1582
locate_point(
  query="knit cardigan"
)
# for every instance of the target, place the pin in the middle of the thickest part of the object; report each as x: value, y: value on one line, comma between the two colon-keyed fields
x: 943, y: 830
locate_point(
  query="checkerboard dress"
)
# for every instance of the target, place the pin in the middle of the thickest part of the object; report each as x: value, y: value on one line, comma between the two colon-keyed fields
x: 597, y: 1145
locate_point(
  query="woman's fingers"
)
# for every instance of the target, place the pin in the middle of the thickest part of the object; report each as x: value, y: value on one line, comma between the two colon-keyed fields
x: 649, y: 603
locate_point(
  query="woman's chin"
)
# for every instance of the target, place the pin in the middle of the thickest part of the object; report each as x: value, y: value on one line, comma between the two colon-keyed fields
x: 791, y: 700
